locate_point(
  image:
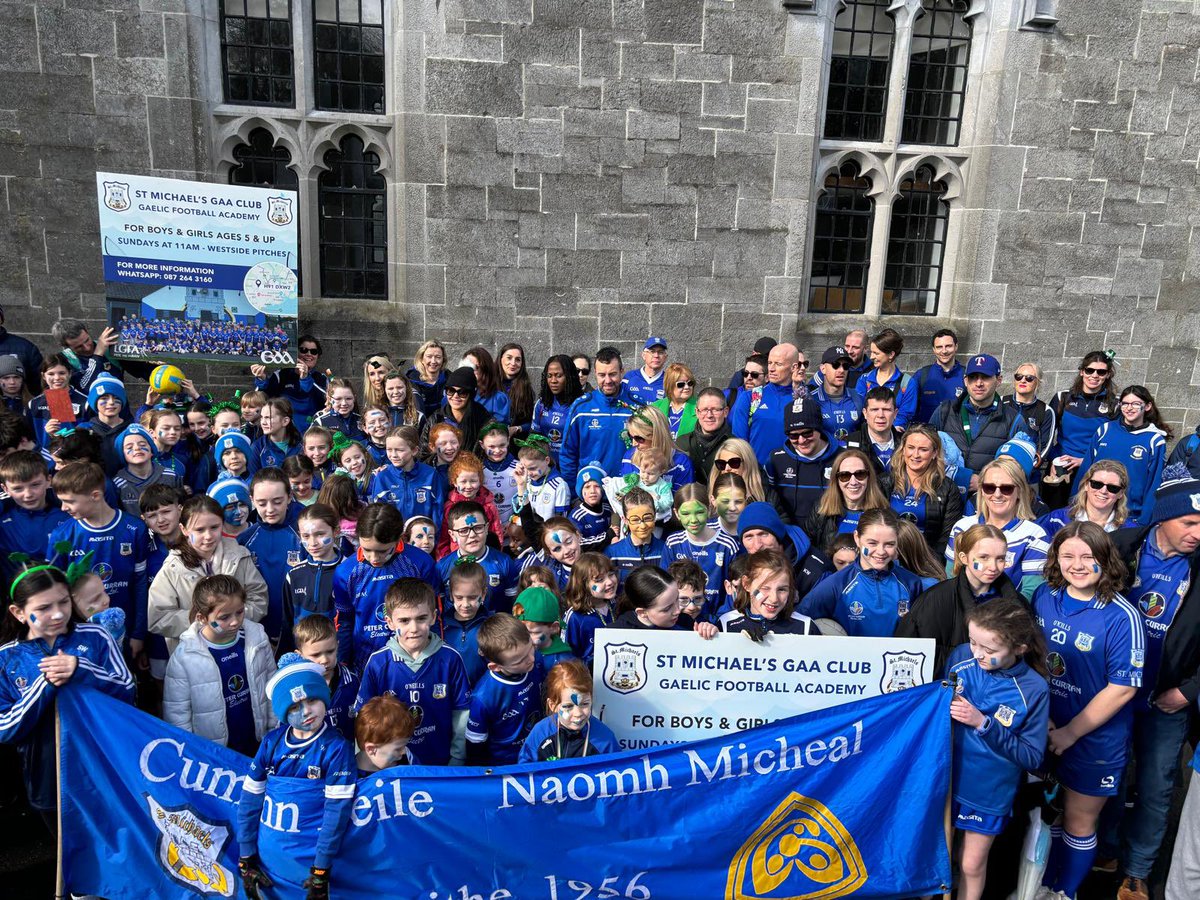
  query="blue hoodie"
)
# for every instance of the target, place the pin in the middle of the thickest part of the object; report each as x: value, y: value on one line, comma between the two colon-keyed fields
x: 417, y: 492
x: 594, y: 433
x: 866, y: 602
x: 275, y: 549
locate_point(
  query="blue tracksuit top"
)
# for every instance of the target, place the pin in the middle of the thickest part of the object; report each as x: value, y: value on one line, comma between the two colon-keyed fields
x: 417, y: 492
x: 1079, y: 415
x: 502, y: 576
x: 934, y: 384
x: 757, y: 417
x: 903, y: 386
x: 307, y: 395
x: 275, y: 549
x: 988, y: 763
x: 308, y: 587
x: 264, y: 454
x: 464, y: 637
x: 1142, y: 452
x: 497, y: 405
x: 593, y: 435
x: 550, y: 421
x: 866, y: 602
x: 349, y: 425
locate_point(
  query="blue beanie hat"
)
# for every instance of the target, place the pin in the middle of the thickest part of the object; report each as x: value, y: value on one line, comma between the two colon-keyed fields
x: 106, y: 385
x: 229, y: 490
x: 1178, y: 494
x: 586, y: 474
x: 234, y: 439
x: 133, y: 429
x: 762, y: 515
x: 1021, y: 449
x: 296, y: 681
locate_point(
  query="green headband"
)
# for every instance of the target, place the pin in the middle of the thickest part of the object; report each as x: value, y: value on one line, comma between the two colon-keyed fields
x: 538, y: 442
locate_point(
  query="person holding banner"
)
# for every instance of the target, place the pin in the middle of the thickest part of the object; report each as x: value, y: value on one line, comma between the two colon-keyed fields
x: 304, y: 386
x: 36, y: 632
x: 766, y: 600
x: 652, y: 598
x: 570, y: 731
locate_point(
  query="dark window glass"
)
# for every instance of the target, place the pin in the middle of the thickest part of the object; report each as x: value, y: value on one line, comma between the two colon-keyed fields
x: 937, y: 74
x: 858, y: 71
x: 353, y: 223
x: 916, y: 246
x: 842, y: 243
x: 262, y: 164
x: 256, y: 52
x: 348, y: 36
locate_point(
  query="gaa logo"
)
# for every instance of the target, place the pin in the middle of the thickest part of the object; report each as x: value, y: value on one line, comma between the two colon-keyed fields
x: 1056, y: 665
x: 801, y: 852
x: 276, y: 357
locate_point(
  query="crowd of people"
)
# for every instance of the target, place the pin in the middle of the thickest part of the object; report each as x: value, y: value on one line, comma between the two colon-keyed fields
x: 199, y: 337
x: 339, y: 574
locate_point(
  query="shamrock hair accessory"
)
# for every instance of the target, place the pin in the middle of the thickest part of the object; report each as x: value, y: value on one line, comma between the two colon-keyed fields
x: 628, y: 483
x: 61, y: 550
x: 79, y: 568
x: 1110, y: 355
x: 538, y: 442
x: 340, y: 471
x: 498, y: 427
x: 237, y: 395
x: 465, y: 559
x: 220, y: 407
x: 25, y: 560
x: 340, y: 442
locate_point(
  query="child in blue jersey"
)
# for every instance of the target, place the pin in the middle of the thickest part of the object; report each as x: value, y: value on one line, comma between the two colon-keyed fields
x: 558, y: 540
x: 537, y: 485
x: 868, y: 597
x: 118, y: 541
x: 1097, y: 653
x: 376, y: 423
x: 463, y: 615
x: 305, y: 746
x: 570, y: 731
x: 315, y: 638
x: 107, y: 399
x: 1138, y: 440
x: 413, y: 487
x: 274, y: 544
x: 591, y: 512
x: 765, y: 598
x: 499, y: 466
x: 506, y: 701
x: 639, y: 547
x: 308, y: 587
x: 1001, y: 714
x: 538, y: 609
x: 713, y: 550
x: 361, y: 582
x: 44, y: 649
x: 382, y: 730
x: 56, y: 375
x: 418, y: 667
x: 252, y: 403
x: 280, y: 437
x: 342, y: 414
x: 29, y: 515
x: 216, y: 679
x: 165, y: 426
x: 231, y: 451
x: 467, y: 523
x: 590, y: 596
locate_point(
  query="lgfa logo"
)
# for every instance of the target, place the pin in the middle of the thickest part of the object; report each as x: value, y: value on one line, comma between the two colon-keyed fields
x: 801, y: 852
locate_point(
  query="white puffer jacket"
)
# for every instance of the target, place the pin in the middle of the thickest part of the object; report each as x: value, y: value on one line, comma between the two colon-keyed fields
x: 192, y: 695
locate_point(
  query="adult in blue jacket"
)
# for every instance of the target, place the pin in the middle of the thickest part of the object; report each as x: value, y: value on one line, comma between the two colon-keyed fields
x: 596, y: 423
x: 1138, y: 441
x: 22, y: 348
x: 885, y: 347
x: 941, y: 380
x: 841, y: 408
x: 304, y: 385
x: 757, y: 415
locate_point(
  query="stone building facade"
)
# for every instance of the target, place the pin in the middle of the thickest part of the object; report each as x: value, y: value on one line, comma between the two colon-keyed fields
x: 569, y: 173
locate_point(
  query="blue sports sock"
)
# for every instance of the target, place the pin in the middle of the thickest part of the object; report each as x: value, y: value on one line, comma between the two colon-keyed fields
x: 1078, y: 854
x: 1055, y: 858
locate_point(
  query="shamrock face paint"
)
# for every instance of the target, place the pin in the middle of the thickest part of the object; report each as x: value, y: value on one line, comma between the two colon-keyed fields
x: 693, y: 515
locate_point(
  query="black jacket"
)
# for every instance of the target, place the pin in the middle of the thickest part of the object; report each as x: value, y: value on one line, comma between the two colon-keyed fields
x: 941, y: 512
x: 1180, y: 664
x: 981, y: 448
x: 702, y: 449
x: 475, y: 418
x: 941, y: 613
x: 860, y: 439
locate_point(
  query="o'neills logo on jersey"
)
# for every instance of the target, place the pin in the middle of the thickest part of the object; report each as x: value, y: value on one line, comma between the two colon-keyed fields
x: 189, y: 849
x: 801, y: 852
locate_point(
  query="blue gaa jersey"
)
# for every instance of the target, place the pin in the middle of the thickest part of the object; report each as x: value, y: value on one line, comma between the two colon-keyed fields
x: 1079, y: 416
x: 1143, y: 453
x: 1159, y: 586
x: 342, y: 694
x: 503, y: 712
x: 359, y: 589
x: 839, y: 415
x: 988, y: 762
x: 417, y: 492
x: 235, y: 687
x: 502, y: 576
x: 348, y: 425
x: 276, y: 549
x: 463, y: 637
x: 642, y: 389
x: 1027, y: 547
x: 266, y: 454
x: 23, y: 530
x: 1092, y: 644
x: 579, y: 631
x: 308, y: 587
x: 714, y: 557
x: 911, y: 506
x: 627, y: 556
x: 550, y: 421
x: 500, y: 480
x: 561, y: 572
x: 866, y: 602
x: 432, y: 693
x: 593, y: 524
x: 325, y: 756
x: 120, y: 549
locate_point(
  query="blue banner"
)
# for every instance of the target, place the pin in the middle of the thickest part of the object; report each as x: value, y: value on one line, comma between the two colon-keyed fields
x: 847, y: 801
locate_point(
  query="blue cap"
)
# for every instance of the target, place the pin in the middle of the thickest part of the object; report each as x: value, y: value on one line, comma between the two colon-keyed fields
x: 106, y: 385
x: 1021, y: 449
x: 586, y: 474
x: 984, y: 364
x: 234, y: 439
x: 229, y: 490
x: 294, y: 682
x: 653, y: 341
x: 133, y: 429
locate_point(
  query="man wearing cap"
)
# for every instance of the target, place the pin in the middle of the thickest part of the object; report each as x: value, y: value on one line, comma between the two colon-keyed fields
x: 978, y: 422
x: 762, y: 347
x: 757, y: 415
x: 1164, y: 586
x: 840, y: 413
x: 22, y: 348
x: 942, y: 379
x: 593, y: 434
x: 461, y: 409
x: 799, y: 470
x: 645, y: 385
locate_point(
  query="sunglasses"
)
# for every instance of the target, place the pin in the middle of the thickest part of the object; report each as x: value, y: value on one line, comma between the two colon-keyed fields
x: 1092, y: 370
x: 840, y: 364
x: 856, y: 475
x: 310, y: 351
x: 584, y: 373
x: 746, y: 373
x: 680, y: 385
x: 1096, y: 484
x: 802, y: 363
x: 1020, y: 377
x: 638, y: 439
x: 723, y: 464
x: 802, y: 435
x: 458, y: 392
x: 1006, y: 490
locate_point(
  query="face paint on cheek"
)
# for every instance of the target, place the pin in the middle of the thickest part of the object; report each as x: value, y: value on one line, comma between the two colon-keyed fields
x: 32, y: 619
x: 1095, y: 569
x: 994, y: 662
x: 296, y: 717
x: 564, y: 713
x: 216, y: 626
x: 866, y: 551
x: 976, y: 565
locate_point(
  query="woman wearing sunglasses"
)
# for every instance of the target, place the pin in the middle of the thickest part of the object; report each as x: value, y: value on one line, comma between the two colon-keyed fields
x: 1137, y: 440
x: 921, y: 490
x: 461, y: 409
x: 647, y: 428
x: 679, y: 400
x: 304, y: 386
x: 1004, y: 501
x: 1039, y: 418
x: 1090, y: 402
x: 853, y: 487
x: 735, y: 456
x: 1100, y: 499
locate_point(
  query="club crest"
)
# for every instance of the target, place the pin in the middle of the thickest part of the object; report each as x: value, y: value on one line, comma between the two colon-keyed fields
x: 1004, y: 715
x: 116, y: 196
x: 279, y: 210
x: 625, y: 667
x: 1084, y: 641
x: 439, y: 692
x: 901, y: 671
x: 189, y: 850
